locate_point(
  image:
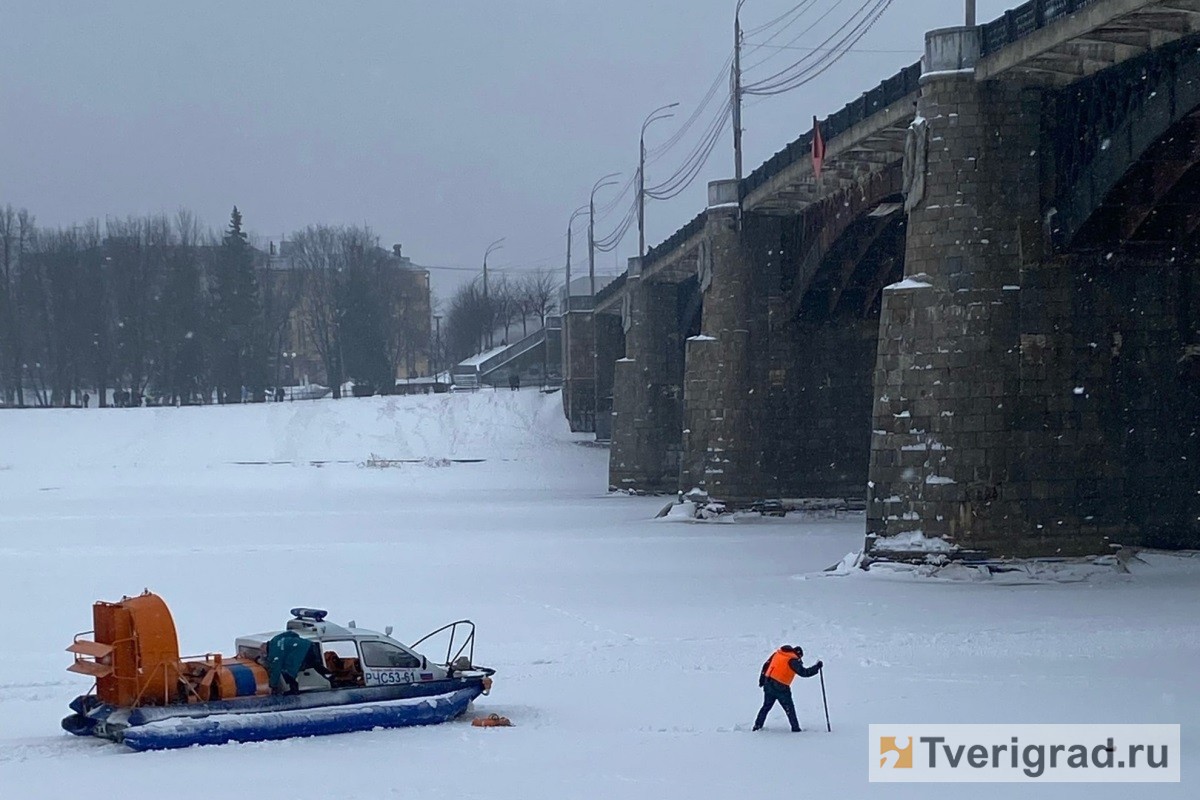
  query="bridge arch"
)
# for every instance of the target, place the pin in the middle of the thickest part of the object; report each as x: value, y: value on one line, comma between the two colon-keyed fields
x: 851, y: 245
x: 1125, y: 147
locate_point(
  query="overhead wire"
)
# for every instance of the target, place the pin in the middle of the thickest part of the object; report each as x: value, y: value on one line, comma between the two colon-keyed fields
x: 814, y: 63
x: 855, y: 50
x: 684, y: 175
x: 767, y: 25
x: 792, y: 41
x: 825, y: 56
x: 692, y: 167
x: 603, y: 211
x: 803, y: 7
x: 655, y: 153
x: 610, y: 242
x: 694, y: 163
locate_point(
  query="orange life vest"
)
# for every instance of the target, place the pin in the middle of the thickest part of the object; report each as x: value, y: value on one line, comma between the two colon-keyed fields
x: 778, y: 668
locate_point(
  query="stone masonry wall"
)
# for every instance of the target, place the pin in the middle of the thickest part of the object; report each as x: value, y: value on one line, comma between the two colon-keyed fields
x: 947, y: 368
x: 648, y: 393
x: 578, y: 388
x: 821, y: 406
x: 728, y: 422
x: 1107, y: 441
x: 610, y: 346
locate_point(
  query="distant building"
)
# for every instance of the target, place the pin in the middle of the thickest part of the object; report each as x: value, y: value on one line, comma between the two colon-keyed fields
x: 299, y: 360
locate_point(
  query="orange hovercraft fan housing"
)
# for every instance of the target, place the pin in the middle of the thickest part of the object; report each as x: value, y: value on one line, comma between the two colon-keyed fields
x: 134, y: 657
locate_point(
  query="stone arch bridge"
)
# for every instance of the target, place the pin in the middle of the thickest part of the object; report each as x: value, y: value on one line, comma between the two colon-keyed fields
x: 982, y: 320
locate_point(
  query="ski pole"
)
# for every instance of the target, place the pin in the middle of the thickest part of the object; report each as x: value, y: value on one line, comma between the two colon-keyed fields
x: 825, y: 702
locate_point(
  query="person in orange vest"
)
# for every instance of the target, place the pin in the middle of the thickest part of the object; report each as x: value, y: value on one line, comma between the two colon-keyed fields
x: 776, y: 682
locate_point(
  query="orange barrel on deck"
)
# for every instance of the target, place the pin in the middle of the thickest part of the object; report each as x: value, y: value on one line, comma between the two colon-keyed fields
x: 241, y: 678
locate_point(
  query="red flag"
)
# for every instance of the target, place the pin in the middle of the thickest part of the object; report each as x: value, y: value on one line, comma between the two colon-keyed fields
x: 818, y: 149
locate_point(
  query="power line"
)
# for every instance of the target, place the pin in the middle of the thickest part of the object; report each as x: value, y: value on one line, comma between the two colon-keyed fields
x: 655, y: 153
x: 795, y: 38
x: 802, y: 7
x: 683, y: 176
x: 809, y: 68
x: 855, y: 50
x: 759, y: 29
x: 687, y: 174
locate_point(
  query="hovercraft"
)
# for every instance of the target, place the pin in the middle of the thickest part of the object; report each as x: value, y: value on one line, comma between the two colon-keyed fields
x: 348, y: 679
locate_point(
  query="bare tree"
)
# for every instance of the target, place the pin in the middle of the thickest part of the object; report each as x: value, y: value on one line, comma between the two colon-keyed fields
x: 319, y: 260
x: 282, y: 294
x: 179, y: 338
x: 467, y: 321
x: 17, y: 232
x: 503, y: 297
x: 11, y: 247
x: 138, y: 249
x: 539, y: 290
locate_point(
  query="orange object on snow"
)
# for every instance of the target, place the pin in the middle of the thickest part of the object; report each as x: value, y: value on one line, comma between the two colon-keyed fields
x: 492, y: 721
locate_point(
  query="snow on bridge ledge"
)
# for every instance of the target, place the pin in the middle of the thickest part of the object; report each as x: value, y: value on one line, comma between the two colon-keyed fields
x: 908, y: 283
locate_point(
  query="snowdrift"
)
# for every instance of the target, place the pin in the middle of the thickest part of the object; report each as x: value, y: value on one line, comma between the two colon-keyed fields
x: 481, y: 425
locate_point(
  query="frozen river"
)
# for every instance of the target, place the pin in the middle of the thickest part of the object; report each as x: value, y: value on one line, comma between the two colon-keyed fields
x: 627, y: 648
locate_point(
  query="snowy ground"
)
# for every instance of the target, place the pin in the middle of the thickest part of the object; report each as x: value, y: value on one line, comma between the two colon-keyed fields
x: 627, y: 648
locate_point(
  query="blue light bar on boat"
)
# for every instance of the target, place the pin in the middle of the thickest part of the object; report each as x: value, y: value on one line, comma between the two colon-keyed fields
x: 315, y: 614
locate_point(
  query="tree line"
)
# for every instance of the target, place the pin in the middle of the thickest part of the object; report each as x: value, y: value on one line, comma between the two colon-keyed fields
x: 156, y: 307
x: 473, y: 320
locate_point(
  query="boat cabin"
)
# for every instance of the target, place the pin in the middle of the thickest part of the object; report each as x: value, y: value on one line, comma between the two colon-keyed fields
x: 351, y: 656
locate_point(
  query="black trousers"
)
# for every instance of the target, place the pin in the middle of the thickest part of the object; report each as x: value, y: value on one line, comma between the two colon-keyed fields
x: 774, y: 691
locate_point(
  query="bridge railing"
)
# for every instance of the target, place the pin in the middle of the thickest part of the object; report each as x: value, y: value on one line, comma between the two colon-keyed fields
x: 679, y: 237
x: 1023, y: 20
x: 611, y: 289
x: 515, y: 350
x: 895, y: 88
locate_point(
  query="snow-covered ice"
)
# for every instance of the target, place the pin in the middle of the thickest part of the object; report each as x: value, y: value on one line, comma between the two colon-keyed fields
x: 628, y: 651
x: 913, y: 541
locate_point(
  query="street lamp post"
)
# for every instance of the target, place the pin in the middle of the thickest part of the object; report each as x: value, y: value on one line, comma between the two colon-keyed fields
x: 970, y: 13
x: 487, y: 306
x: 654, y: 116
x: 607, y: 180
x: 737, y: 92
x: 579, y: 211
x: 568, y: 375
x: 437, y: 347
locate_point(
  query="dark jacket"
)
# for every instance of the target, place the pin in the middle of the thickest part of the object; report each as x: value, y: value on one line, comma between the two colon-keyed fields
x: 286, y: 655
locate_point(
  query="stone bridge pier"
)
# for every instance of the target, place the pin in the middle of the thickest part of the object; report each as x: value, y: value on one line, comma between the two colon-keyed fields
x: 755, y: 387
x: 948, y: 361
x: 778, y: 390
x: 579, y: 363
x: 608, y: 328
x: 726, y: 393
x: 1014, y: 385
x: 647, y: 394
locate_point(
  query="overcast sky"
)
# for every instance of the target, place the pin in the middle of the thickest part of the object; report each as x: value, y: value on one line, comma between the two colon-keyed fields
x: 441, y: 125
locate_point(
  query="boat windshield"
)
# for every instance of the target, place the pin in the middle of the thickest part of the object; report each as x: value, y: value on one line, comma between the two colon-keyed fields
x: 382, y: 654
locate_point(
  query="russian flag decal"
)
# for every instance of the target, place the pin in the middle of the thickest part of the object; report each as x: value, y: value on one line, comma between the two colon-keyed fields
x: 426, y: 676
